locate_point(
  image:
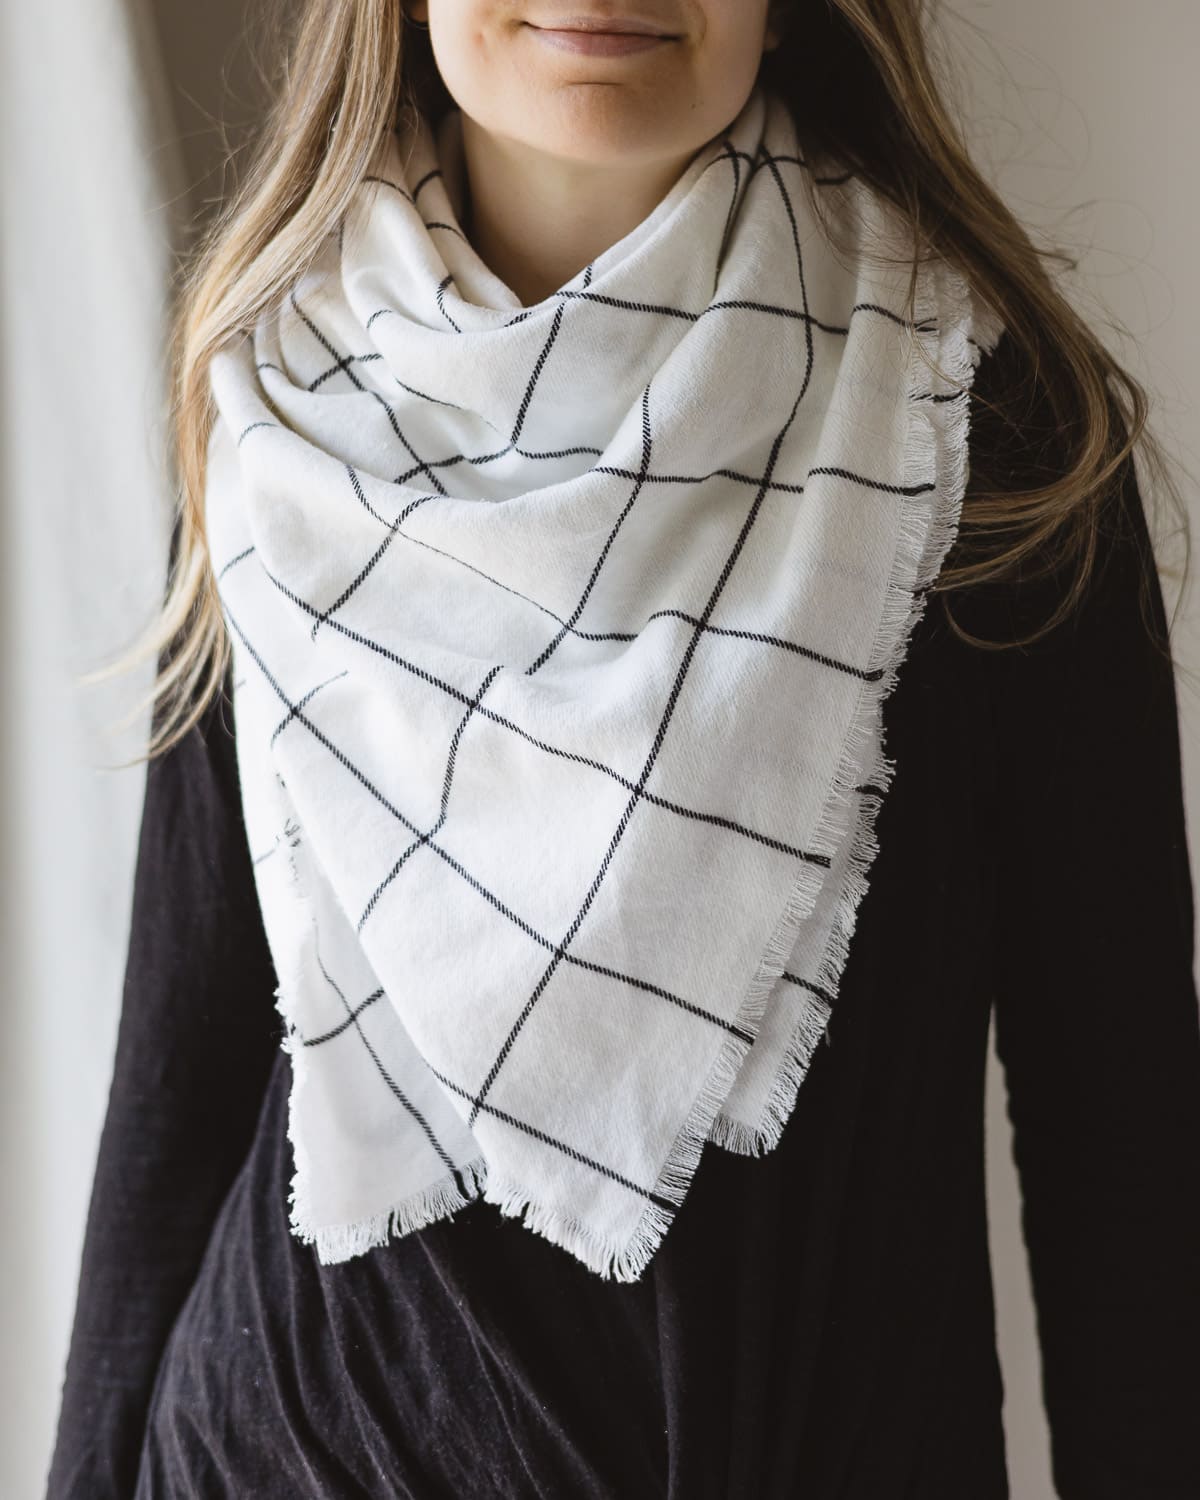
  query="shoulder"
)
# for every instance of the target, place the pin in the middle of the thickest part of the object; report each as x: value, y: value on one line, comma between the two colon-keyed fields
x: 1101, y: 547
x: 1015, y: 441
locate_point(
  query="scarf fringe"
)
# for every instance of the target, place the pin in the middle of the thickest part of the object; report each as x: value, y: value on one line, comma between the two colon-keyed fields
x: 440, y: 1200
x: 963, y: 329
x: 339, y: 1242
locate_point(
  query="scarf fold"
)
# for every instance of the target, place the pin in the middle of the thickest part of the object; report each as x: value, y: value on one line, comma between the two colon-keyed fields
x: 560, y: 638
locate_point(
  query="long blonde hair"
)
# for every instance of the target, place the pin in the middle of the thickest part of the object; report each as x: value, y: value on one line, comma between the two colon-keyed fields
x: 353, y: 70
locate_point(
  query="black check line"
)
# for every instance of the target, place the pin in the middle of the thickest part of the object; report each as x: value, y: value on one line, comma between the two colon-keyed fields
x: 685, y: 663
x: 428, y: 178
x: 687, y: 315
x: 441, y: 301
x: 403, y: 191
x: 411, y: 198
x: 478, y: 460
x: 344, y: 760
x: 393, y: 528
x: 639, y: 480
x: 928, y: 326
x: 420, y: 468
x: 391, y: 415
x: 782, y: 487
x: 335, y: 1031
x: 728, y: 154
x: 361, y: 496
x: 549, y: 1140
x: 447, y: 779
x: 714, y: 819
x: 765, y: 157
x: 353, y: 1018
x: 725, y: 304
x: 539, y: 365
x: 308, y: 697
x: 333, y: 369
x: 453, y: 228
x: 395, y: 186
x: 866, y: 674
x: 883, y: 486
x: 647, y: 477
x: 235, y: 559
x: 808, y: 984
x: 343, y: 363
x: 864, y: 789
x: 873, y: 484
x: 941, y: 396
x: 422, y: 395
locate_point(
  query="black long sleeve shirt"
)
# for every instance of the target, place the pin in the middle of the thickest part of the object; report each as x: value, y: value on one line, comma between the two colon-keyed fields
x: 818, y: 1322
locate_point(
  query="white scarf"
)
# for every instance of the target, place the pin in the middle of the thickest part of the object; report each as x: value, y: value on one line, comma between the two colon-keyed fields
x: 560, y: 639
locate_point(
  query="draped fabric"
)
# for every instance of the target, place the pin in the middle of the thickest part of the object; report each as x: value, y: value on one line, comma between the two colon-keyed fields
x: 561, y: 635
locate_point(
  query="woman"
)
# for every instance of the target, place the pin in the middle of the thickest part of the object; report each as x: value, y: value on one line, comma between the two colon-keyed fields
x: 803, y: 1307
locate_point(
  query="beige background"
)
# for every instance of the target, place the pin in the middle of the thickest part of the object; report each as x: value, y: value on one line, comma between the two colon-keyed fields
x: 1086, y: 113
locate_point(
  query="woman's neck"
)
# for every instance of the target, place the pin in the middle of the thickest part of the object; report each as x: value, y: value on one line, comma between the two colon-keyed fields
x: 536, y: 220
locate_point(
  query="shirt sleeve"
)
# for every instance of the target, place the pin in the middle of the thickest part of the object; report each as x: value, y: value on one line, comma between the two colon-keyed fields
x: 195, y: 1042
x: 1096, y: 1019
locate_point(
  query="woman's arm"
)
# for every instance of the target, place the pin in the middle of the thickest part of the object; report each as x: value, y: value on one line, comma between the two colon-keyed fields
x: 195, y: 1043
x: 1097, y: 1025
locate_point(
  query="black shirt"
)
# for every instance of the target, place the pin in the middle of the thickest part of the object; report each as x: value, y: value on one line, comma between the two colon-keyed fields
x: 817, y: 1323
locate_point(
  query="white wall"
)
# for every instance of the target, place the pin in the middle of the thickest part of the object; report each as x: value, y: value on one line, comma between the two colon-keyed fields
x: 1088, y: 102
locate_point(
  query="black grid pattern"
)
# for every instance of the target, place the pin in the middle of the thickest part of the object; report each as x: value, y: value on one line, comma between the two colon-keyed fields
x: 322, y: 366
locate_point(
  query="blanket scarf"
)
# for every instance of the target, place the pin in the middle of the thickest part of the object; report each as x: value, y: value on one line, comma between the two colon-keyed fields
x: 560, y: 635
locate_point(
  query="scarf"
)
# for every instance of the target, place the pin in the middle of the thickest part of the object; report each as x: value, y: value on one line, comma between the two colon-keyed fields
x: 560, y: 635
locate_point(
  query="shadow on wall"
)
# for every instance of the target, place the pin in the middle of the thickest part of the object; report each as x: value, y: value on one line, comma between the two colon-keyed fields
x: 214, y: 57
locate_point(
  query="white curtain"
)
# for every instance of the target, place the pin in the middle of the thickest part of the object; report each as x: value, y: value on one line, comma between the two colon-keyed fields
x: 87, y: 222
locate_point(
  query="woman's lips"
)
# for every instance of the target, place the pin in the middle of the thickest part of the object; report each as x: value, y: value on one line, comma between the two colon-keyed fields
x: 600, y: 43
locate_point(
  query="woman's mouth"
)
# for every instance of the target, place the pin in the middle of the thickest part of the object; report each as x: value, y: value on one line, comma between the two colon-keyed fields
x: 589, y: 40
